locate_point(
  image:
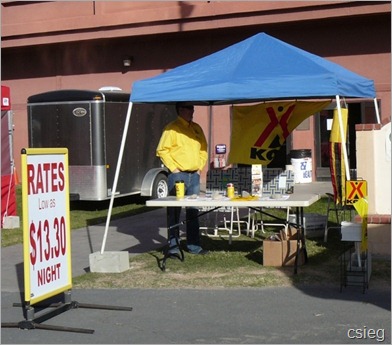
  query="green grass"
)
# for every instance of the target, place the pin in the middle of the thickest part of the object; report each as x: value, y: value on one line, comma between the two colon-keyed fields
x: 239, y: 264
x: 235, y: 265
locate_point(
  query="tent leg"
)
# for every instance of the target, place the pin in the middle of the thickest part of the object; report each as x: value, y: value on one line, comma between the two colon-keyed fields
x: 376, y: 108
x: 343, y: 138
x: 117, y: 173
x: 210, y: 135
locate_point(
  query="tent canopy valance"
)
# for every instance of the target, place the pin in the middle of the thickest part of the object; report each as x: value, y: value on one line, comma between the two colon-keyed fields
x: 259, y: 68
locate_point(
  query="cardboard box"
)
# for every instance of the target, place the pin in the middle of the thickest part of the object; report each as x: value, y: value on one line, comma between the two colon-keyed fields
x: 272, y: 253
x: 281, y: 252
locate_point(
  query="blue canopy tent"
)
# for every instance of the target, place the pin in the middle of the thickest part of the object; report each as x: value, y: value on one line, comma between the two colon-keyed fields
x: 260, y: 68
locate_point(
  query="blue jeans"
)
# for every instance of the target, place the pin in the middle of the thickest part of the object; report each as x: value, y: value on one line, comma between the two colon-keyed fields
x: 192, y: 186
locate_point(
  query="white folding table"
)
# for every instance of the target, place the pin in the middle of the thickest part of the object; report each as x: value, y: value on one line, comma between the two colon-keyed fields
x: 295, y: 200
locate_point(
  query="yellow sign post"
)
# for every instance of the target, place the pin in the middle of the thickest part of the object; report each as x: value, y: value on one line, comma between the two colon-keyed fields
x: 355, y: 190
x: 356, y: 195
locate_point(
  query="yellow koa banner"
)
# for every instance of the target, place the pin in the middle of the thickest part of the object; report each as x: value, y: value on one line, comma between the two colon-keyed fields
x: 335, y: 136
x: 258, y: 131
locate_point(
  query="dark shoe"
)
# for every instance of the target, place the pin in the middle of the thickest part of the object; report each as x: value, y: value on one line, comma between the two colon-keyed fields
x: 174, y: 254
x: 173, y: 248
x: 173, y: 251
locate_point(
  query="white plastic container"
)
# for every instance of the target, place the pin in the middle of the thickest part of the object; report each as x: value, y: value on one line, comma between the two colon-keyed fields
x: 302, y: 170
x: 351, y: 231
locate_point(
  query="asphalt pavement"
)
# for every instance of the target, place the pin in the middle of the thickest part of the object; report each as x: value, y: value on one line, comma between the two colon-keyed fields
x: 279, y: 315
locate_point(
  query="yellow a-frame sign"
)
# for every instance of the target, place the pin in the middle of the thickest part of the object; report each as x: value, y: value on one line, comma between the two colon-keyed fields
x: 355, y: 190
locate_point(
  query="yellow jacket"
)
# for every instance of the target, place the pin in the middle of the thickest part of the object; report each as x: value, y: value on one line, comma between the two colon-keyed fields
x: 183, y: 146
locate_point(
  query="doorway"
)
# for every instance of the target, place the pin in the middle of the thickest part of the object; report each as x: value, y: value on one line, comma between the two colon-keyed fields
x: 323, y: 125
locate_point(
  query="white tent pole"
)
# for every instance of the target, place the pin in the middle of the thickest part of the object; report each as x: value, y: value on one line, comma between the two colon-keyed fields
x: 376, y: 108
x: 120, y: 155
x: 10, y: 123
x: 343, y: 138
x: 209, y: 135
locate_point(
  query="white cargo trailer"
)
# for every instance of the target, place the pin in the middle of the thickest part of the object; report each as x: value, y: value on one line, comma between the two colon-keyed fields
x: 90, y: 125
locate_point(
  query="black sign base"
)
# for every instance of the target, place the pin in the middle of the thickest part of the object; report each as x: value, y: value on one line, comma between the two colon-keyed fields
x: 32, y: 322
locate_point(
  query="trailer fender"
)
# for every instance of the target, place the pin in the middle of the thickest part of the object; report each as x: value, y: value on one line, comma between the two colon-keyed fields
x: 151, y: 180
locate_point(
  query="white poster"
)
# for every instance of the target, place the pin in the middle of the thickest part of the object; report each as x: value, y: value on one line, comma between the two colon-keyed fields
x: 46, y: 228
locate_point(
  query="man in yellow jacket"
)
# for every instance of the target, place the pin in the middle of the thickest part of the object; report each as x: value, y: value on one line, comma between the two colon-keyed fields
x: 183, y: 150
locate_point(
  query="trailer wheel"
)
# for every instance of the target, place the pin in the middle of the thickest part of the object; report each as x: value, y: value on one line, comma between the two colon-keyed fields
x: 160, y: 188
